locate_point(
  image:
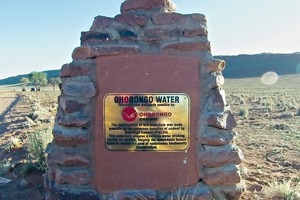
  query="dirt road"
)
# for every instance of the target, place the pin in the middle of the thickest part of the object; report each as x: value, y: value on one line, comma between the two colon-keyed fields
x: 22, y: 186
x: 7, y: 101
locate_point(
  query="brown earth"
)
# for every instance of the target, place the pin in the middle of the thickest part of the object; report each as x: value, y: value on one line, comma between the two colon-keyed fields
x: 269, y: 136
x: 17, y: 123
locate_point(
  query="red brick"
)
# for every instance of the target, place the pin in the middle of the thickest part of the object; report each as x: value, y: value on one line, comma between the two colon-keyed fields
x: 129, y: 5
x: 130, y: 19
x: 168, y: 18
x: 187, y: 46
x: 70, y: 140
x: 101, y: 22
x: 85, y: 52
x: 162, y: 34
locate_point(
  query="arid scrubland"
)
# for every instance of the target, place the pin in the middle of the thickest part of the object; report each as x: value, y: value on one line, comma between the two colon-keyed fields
x: 269, y: 134
x: 268, y: 125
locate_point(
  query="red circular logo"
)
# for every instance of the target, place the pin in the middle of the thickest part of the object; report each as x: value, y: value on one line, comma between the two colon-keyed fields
x: 129, y: 114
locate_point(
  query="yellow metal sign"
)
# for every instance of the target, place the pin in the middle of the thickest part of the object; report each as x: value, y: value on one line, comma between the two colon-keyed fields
x: 147, y: 122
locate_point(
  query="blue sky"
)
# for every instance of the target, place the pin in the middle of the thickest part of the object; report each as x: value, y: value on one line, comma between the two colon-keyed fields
x: 37, y: 35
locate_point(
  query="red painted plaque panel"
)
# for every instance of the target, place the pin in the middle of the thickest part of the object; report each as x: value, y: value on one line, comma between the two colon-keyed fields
x: 146, y: 122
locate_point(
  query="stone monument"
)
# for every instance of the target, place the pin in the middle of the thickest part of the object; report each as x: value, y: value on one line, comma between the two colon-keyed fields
x: 142, y: 113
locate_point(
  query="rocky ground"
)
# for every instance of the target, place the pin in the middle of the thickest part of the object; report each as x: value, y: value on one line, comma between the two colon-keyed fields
x: 22, y: 115
x: 268, y: 120
x: 268, y: 126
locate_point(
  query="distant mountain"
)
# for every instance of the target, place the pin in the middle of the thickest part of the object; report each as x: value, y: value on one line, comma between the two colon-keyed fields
x: 245, y: 66
x: 240, y: 66
x: 16, y: 79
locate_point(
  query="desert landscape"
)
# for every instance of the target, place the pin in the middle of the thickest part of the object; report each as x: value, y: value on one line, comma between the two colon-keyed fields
x: 268, y: 126
x: 26, y: 122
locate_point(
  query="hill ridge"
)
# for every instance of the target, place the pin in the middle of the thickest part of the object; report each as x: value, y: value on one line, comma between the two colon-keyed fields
x: 16, y: 79
x: 249, y: 66
x: 237, y: 66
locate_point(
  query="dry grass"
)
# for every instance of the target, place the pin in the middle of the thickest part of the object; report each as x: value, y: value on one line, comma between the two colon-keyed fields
x: 270, y: 136
x: 284, y: 190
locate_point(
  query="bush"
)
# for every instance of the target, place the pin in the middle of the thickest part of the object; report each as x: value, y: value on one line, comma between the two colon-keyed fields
x: 37, y: 144
x: 5, y: 165
x: 244, y: 112
x: 284, y: 190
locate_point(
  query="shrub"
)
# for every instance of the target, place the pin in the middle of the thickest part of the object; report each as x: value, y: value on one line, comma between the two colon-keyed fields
x: 284, y: 190
x: 28, y: 167
x: 13, y: 143
x: 244, y: 112
x: 37, y: 144
x: 5, y: 165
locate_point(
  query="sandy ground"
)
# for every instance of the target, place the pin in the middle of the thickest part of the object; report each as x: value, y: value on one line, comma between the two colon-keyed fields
x: 14, y: 109
x: 269, y: 138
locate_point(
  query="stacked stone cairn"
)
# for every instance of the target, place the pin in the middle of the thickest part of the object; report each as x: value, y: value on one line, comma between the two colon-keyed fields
x: 144, y: 26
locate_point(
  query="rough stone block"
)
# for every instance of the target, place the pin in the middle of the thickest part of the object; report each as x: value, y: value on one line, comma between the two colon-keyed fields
x: 94, y: 37
x: 233, y: 192
x: 215, y: 80
x: 215, y: 65
x: 213, y: 137
x: 220, y: 156
x: 222, y: 120
x: 71, y: 139
x: 69, y: 70
x: 132, y: 19
x: 85, y: 52
x: 168, y: 18
x: 195, y: 32
x: 101, y: 22
x: 70, y: 106
x: 187, y: 46
x: 77, y: 89
x: 217, y: 101
x: 136, y: 195
x: 128, y: 35
x: 198, y: 17
x: 72, y: 176
x: 228, y: 175
x: 162, y: 34
x: 74, y: 121
x: 132, y: 5
x: 68, y: 159
x: 64, y: 194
